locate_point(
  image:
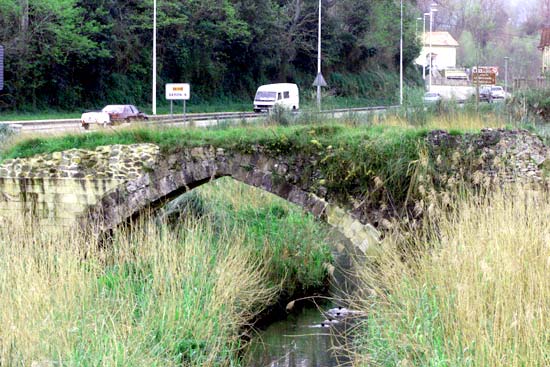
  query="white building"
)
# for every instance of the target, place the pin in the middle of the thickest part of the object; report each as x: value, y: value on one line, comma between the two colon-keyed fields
x: 443, y: 50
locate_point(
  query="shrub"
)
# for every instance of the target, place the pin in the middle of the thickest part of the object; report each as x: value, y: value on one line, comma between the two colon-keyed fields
x: 531, y: 106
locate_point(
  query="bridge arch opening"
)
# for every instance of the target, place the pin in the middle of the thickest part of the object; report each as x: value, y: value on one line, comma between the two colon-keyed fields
x: 182, y: 173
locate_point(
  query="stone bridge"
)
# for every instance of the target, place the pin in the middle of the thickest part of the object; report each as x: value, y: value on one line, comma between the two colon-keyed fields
x: 111, y: 184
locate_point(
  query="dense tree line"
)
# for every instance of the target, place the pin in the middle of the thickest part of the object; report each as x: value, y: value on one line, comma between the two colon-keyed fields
x: 83, y: 53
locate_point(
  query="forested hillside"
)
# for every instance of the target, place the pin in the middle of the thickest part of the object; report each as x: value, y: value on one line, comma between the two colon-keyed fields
x: 72, y: 54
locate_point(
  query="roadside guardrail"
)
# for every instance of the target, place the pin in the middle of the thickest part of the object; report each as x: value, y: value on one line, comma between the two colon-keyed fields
x: 72, y: 124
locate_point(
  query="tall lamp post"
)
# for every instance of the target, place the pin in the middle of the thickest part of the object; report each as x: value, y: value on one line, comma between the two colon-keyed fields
x: 319, y: 60
x: 154, y: 57
x: 401, y: 59
x: 432, y: 11
x: 424, y: 44
x: 319, y: 80
x: 506, y: 74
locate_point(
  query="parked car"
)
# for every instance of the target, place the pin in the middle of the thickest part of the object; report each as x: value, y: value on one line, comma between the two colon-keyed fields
x: 431, y: 97
x: 497, y: 92
x: 282, y: 94
x: 490, y: 93
x: 485, y: 94
x: 111, y: 114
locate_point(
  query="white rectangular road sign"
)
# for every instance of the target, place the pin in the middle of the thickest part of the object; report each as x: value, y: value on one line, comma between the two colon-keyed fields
x: 178, y: 91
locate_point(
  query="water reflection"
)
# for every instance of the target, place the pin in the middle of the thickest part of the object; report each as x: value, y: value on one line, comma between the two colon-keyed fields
x: 298, y: 341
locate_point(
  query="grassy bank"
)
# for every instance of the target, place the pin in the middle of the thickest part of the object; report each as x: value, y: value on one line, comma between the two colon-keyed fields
x: 473, y: 292
x: 172, y: 295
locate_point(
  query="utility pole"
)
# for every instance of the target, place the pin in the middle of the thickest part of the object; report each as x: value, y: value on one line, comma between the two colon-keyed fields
x: 319, y: 80
x: 506, y: 74
x: 401, y: 59
x: 24, y: 17
x: 154, y: 57
x: 424, y: 44
x: 431, y: 56
x: 319, y: 60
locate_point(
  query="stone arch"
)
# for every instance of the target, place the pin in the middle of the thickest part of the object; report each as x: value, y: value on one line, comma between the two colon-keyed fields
x: 185, y: 170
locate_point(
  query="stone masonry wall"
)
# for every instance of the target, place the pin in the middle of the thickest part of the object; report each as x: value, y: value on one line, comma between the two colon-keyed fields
x: 59, y: 188
x: 109, y: 185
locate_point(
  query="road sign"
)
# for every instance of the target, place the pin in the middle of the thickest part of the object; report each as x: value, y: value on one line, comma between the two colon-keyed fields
x: 1, y: 67
x: 178, y: 91
x: 484, y: 78
x: 319, y: 81
x: 485, y: 69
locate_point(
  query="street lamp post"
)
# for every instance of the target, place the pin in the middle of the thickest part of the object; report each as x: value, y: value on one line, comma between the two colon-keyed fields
x: 154, y: 57
x: 319, y: 60
x: 506, y: 74
x: 432, y: 11
x: 401, y: 59
x: 424, y: 44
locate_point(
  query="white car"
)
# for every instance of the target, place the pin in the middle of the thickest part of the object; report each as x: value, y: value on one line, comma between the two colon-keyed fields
x: 497, y: 92
x: 99, y: 117
x: 111, y: 114
x: 431, y: 97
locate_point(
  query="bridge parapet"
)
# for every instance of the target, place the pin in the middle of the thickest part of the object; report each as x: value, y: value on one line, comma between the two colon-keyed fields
x: 111, y: 184
x: 52, y: 201
x: 59, y: 188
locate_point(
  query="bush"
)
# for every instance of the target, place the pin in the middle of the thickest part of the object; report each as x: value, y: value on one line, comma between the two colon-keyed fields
x: 279, y: 115
x: 531, y: 106
x: 6, y: 131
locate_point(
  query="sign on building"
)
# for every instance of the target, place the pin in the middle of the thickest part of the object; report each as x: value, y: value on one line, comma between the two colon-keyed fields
x: 178, y: 91
x: 1, y: 67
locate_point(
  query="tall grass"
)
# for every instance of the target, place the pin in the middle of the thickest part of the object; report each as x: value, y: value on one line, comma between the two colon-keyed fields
x: 293, y: 247
x: 158, y: 295
x: 154, y: 297
x: 473, y: 292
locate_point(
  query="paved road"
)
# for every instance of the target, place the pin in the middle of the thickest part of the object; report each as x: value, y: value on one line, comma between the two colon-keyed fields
x: 197, y: 119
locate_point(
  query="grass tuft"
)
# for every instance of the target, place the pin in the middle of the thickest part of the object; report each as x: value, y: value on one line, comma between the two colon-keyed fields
x: 473, y: 292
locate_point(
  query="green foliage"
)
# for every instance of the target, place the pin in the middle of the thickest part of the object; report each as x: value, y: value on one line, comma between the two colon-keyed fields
x: 531, y: 106
x: 379, y: 335
x: 5, y: 133
x: 82, y: 54
x: 280, y: 116
x: 292, y: 245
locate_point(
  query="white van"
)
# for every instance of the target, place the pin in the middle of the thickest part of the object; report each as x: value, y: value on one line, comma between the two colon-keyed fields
x: 282, y: 94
